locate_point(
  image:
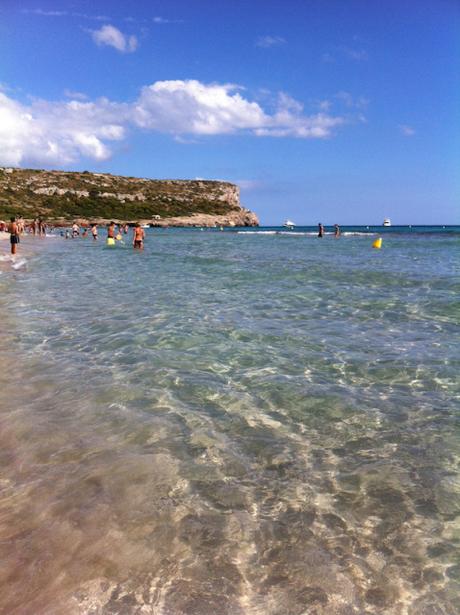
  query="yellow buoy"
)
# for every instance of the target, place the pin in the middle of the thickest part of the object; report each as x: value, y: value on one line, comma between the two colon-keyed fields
x: 119, y: 237
x: 377, y: 243
x: 110, y: 241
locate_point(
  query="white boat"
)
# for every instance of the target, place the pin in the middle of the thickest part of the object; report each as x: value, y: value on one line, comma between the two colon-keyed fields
x: 387, y: 222
x: 289, y: 223
x: 145, y: 225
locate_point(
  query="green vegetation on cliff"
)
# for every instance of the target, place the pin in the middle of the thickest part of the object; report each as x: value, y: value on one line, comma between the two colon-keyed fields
x: 56, y: 195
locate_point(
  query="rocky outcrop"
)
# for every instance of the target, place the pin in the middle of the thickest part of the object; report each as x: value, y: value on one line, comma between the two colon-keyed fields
x: 244, y: 217
x: 60, y: 197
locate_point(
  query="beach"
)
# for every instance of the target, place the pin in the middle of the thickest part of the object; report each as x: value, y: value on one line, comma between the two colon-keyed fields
x: 231, y: 423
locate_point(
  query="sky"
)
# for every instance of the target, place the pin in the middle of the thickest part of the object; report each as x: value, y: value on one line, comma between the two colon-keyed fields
x: 339, y: 111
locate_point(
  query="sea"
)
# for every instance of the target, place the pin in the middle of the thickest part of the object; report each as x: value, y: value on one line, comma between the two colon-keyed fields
x: 239, y: 422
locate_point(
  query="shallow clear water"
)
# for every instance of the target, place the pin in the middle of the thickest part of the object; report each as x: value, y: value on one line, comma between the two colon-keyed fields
x: 231, y: 424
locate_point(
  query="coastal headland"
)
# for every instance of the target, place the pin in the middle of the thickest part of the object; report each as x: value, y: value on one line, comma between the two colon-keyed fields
x: 61, y: 197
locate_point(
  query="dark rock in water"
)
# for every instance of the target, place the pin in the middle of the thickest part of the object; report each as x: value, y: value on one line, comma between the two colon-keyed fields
x: 334, y: 522
x: 123, y: 605
x: 188, y: 598
x: 377, y: 596
x: 427, y: 508
x: 453, y: 572
x: 431, y: 575
x: 202, y: 532
x: 312, y: 595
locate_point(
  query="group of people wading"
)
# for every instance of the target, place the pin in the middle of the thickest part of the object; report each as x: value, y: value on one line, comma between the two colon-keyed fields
x: 114, y: 233
x: 17, y: 227
x: 321, y: 230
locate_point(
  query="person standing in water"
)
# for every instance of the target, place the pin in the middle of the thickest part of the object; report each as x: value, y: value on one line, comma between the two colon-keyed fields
x: 94, y: 231
x: 14, y: 234
x: 138, y: 237
x: 320, y: 230
x: 111, y: 231
x: 75, y: 230
x: 336, y: 231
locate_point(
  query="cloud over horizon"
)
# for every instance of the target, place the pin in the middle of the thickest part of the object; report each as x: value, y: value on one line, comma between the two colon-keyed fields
x: 61, y: 132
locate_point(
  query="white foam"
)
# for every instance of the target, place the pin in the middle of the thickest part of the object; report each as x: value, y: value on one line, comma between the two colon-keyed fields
x: 257, y: 232
x: 22, y: 262
x: 357, y: 234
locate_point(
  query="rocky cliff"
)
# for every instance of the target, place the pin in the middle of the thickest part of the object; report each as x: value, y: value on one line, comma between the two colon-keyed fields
x: 60, y: 197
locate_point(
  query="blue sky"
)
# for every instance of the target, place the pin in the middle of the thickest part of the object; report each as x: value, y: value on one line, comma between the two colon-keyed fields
x: 341, y: 111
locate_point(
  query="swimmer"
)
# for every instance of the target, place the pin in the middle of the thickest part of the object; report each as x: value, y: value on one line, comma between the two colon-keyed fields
x: 94, y: 231
x: 320, y: 230
x: 336, y: 231
x: 138, y: 237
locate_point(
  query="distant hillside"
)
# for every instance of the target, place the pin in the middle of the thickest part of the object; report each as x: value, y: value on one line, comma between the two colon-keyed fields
x: 61, y: 197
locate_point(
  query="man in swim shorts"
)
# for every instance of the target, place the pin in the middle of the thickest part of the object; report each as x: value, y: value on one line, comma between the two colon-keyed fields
x: 138, y: 237
x: 94, y: 231
x: 14, y: 234
x: 111, y: 231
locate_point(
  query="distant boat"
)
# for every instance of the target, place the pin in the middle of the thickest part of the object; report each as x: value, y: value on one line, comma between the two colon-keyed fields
x: 145, y: 225
x: 387, y: 222
x: 289, y: 223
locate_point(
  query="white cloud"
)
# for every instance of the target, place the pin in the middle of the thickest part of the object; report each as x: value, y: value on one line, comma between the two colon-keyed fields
x: 56, y: 133
x: 269, y: 41
x: 406, y: 130
x: 62, y: 132
x: 113, y: 37
x: 75, y: 95
x: 44, y: 13
x: 351, y: 53
x: 350, y: 101
x: 163, y: 20
x: 249, y: 184
x: 358, y: 55
x: 192, y: 107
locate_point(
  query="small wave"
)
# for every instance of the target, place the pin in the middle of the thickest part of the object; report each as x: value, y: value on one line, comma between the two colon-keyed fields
x: 309, y: 233
x: 16, y: 265
x: 284, y: 233
x: 358, y: 234
x: 257, y: 232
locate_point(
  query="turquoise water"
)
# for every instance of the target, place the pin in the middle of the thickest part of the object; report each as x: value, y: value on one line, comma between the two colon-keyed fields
x: 231, y: 423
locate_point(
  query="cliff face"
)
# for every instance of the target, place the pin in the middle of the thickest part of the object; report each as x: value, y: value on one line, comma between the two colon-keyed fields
x: 60, y: 197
